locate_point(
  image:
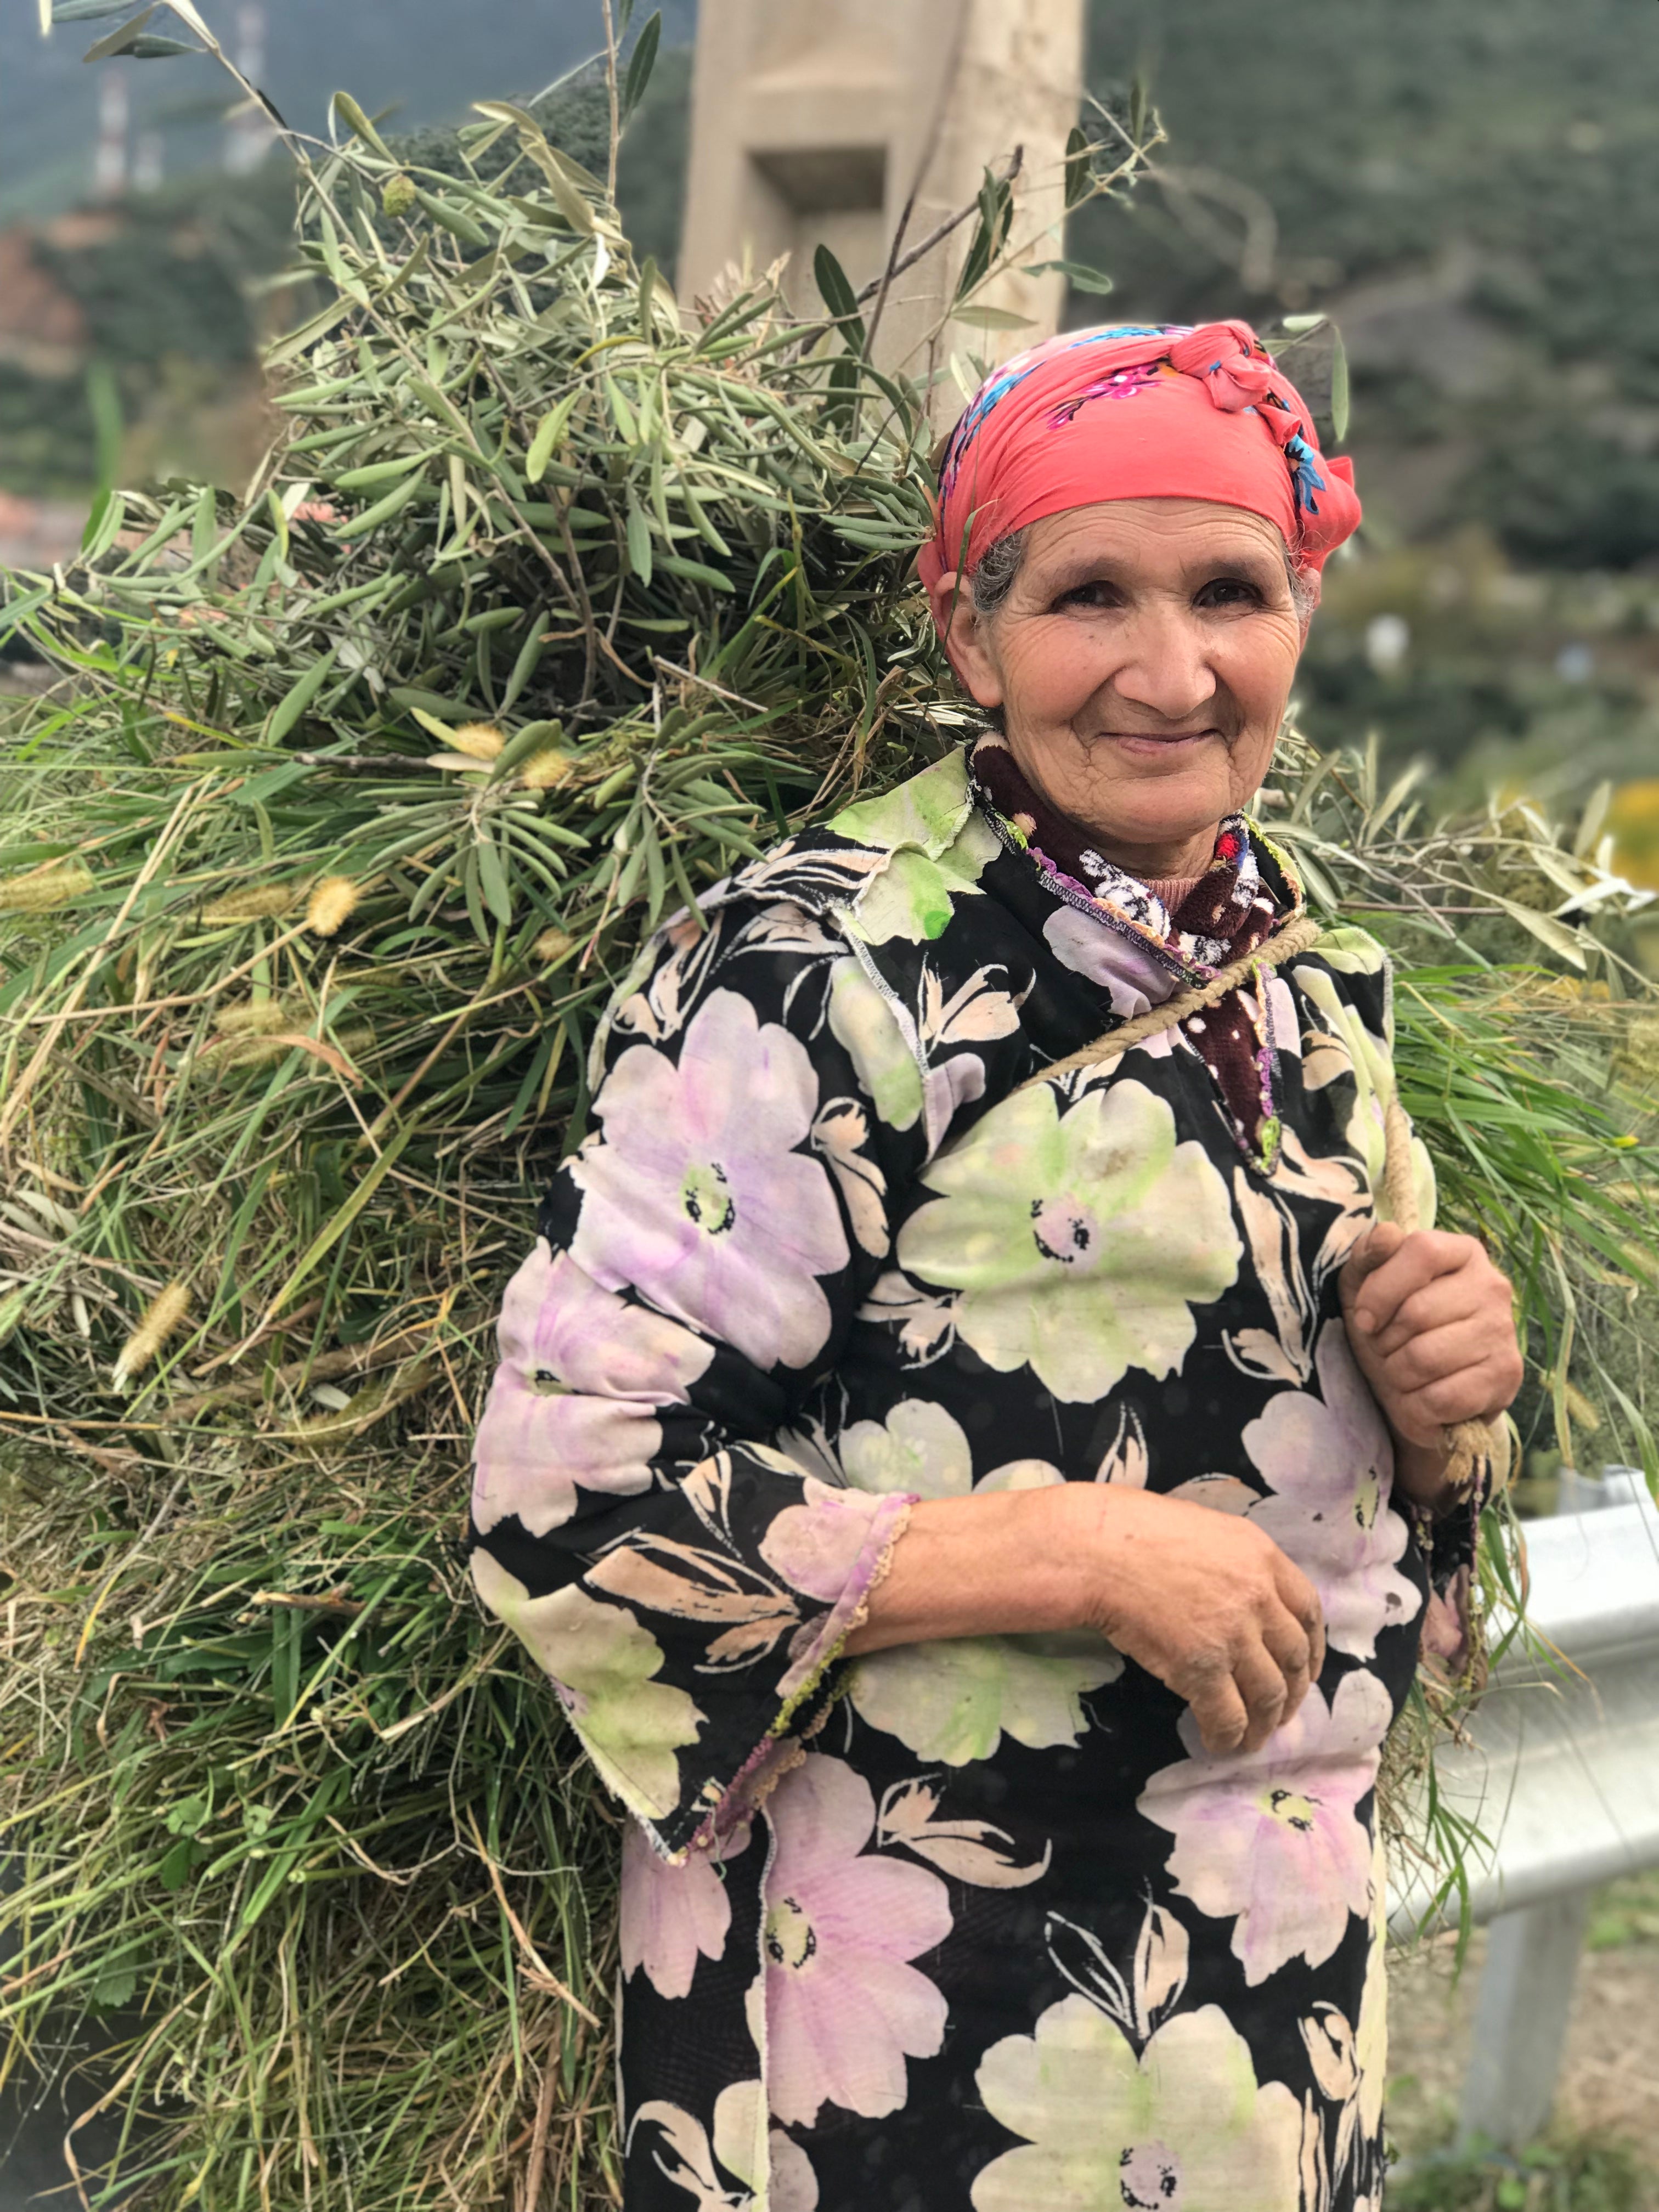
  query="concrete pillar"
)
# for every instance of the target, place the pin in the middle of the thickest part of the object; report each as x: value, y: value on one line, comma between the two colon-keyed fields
x: 1531, y: 1955
x: 815, y: 120
x: 1521, y: 2021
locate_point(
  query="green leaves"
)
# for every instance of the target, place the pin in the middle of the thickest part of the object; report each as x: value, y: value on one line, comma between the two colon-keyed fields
x: 1338, y: 386
x: 638, y: 541
x: 297, y: 699
x: 996, y: 214
x: 104, y: 400
x: 1302, y: 327
x: 986, y: 318
x: 355, y: 526
x: 548, y: 432
x: 1078, y: 148
x: 354, y: 120
x: 146, y: 47
x: 117, y: 41
x: 452, y: 218
x: 837, y: 293
x: 1079, y: 274
x: 641, y: 64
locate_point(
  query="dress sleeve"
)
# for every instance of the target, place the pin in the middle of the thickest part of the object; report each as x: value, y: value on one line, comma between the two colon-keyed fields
x: 686, y: 1582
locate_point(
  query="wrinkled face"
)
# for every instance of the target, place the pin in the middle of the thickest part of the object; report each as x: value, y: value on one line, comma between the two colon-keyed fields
x: 1143, y: 658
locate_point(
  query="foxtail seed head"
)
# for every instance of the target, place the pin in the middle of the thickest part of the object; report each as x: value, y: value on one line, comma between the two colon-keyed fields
x: 163, y: 1315
x: 552, y: 945
x: 331, y: 905
x: 264, y: 904
x: 480, y: 741
x: 545, y: 770
x: 42, y: 888
x: 254, y: 1017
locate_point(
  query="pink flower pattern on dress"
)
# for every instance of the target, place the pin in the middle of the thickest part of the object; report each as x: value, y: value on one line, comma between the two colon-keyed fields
x: 727, y: 1375
x: 844, y: 2008
x: 1330, y: 1462
x: 696, y: 1194
x: 672, y: 1916
x: 572, y: 1401
x: 1271, y: 1839
x: 818, y: 1546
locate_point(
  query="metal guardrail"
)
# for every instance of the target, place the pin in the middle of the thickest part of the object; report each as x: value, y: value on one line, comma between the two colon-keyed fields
x: 1560, y: 1773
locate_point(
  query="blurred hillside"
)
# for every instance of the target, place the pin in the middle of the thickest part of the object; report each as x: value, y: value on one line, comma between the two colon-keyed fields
x: 1470, y: 190
x: 1468, y: 186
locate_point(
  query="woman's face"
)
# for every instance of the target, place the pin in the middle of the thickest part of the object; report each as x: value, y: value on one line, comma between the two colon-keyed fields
x: 1143, y: 659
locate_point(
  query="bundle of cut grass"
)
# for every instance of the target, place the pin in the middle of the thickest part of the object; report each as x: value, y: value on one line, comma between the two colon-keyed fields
x: 554, y: 599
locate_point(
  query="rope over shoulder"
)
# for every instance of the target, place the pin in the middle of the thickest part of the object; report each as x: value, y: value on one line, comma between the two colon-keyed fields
x: 1477, y: 1451
x: 1298, y: 936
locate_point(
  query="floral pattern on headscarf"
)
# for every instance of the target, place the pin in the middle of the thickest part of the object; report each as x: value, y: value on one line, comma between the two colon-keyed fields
x: 1215, y: 418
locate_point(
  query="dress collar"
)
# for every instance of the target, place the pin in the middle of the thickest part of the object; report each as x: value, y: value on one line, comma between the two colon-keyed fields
x: 1245, y: 894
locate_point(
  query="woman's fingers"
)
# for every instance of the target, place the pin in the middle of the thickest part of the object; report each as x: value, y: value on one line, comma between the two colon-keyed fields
x: 1264, y: 1692
x: 1375, y: 1294
x: 1464, y: 1295
x: 1221, y: 1715
x: 1373, y: 1250
x: 1432, y: 1327
x: 1290, y: 1647
x: 1458, y: 1348
x: 1474, y: 1394
x: 1301, y: 1600
x: 1208, y: 1603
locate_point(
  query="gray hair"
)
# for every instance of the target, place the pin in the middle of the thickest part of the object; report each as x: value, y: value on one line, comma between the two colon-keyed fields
x: 1000, y: 562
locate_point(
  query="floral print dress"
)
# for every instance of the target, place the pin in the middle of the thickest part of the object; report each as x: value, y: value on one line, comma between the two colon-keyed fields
x: 974, y: 1923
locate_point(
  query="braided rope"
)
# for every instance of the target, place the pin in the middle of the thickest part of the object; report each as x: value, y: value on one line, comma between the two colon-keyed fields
x: 1473, y: 1447
x: 1296, y: 936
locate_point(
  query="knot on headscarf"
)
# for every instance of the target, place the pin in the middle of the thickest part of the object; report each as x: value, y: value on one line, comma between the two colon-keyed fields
x: 1235, y: 367
x: 1139, y: 411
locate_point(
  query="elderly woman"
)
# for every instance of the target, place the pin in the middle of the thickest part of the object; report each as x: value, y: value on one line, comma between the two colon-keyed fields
x: 980, y: 1520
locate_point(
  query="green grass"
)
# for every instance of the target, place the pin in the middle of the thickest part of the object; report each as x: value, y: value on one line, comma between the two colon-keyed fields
x: 1626, y: 1912
x: 1572, y: 2173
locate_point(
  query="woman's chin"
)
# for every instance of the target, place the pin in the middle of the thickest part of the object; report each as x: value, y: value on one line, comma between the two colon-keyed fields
x: 1162, y: 803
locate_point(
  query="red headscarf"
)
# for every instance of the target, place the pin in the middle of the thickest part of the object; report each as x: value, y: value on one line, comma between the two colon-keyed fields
x: 1137, y: 411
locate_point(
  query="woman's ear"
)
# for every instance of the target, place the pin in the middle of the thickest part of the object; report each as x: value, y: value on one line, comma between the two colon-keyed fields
x: 968, y: 644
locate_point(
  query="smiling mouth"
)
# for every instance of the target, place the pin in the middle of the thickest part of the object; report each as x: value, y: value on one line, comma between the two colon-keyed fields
x: 1161, y: 736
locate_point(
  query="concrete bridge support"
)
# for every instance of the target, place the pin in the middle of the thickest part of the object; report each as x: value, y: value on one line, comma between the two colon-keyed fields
x: 817, y: 120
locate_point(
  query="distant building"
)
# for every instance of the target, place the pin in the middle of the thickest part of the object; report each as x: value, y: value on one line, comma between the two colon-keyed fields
x: 249, y: 132
x: 109, y: 164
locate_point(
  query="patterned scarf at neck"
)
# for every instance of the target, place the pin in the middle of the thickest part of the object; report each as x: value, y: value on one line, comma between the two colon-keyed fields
x: 1229, y: 912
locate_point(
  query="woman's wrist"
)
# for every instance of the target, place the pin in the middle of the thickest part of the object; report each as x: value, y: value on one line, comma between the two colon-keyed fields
x: 1019, y: 1562
x: 1421, y: 1475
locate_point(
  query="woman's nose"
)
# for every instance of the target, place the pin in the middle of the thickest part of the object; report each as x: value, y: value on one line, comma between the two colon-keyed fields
x: 1165, y: 667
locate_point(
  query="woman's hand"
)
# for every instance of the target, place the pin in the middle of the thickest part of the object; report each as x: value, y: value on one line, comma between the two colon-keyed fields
x: 1207, y: 1602
x: 1203, y: 1600
x: 1432, y: 1324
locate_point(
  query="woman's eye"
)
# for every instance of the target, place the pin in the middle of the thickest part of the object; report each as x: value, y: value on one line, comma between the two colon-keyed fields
x: 1096, y: 594
x: 1229, y: 592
